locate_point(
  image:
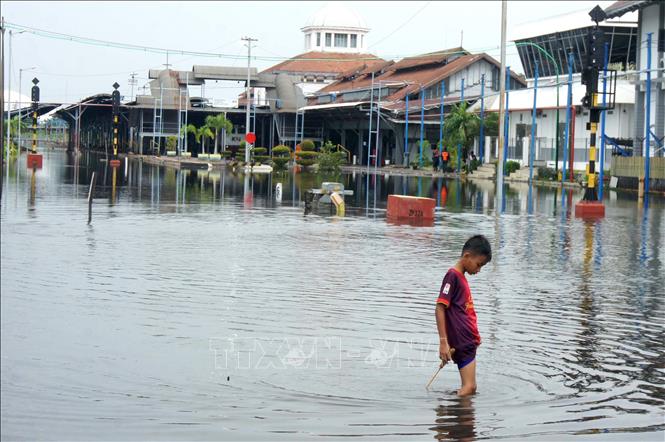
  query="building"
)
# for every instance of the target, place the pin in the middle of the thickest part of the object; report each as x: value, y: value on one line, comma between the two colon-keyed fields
x: 650, y: 20
x: 547, y: 44
x: 341, y: 109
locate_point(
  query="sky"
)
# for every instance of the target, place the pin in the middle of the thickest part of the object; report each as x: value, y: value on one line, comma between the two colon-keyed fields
x: 69, y: 71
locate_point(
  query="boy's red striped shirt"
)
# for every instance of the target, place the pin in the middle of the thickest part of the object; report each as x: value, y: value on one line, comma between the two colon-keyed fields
x: 461, y: 319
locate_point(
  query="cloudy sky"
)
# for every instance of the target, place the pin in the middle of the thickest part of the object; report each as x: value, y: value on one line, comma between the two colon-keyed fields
x: 69, y: 70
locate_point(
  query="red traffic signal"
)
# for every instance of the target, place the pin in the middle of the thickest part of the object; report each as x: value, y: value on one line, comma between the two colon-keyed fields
x: 250, y: 137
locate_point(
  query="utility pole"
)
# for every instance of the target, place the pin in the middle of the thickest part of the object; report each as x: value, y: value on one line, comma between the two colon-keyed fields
x: 502, y: 111
x: 9, y: 99
x: 2, y: 78
x: 249, y: 41
x: 132, y: 82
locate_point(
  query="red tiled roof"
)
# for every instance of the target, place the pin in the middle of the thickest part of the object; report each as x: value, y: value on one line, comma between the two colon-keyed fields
x: 326, y: 62
x: 414, y: 75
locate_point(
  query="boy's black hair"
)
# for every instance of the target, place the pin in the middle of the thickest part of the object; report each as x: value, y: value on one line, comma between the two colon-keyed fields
x: 478, y: 245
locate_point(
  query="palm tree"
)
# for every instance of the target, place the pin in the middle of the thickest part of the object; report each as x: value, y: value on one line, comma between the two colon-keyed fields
x: 200, y: 134
x: 460, y: 128
x: 219, y: 123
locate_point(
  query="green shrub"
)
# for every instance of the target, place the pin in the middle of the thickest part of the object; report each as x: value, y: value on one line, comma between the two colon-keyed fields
x: 280, y: 156
x: 281, y: 151
x: 547, y: 173
x: 306, y: 157
x: 307, y: 145
x: 511, y: 166
x: 330, y: 159
x: 171, y: 143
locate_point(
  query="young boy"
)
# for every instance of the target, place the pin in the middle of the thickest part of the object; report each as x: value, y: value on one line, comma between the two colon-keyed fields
x: 456, y: 318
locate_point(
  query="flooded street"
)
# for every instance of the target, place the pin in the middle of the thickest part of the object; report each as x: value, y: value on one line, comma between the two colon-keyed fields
x: 198, y: 306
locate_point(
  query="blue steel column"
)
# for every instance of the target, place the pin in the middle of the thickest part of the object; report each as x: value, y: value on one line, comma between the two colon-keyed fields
x: 481, y: 143
x: 532, y: 141
x: 369, y: 133
x: 406, y: 132
x: 443, y: 93
x: 569, y: 100
x: 422, y: 124
x: 506, y: 120
x: 602, y: 125
x: 459, y: 146
x: 647, y: 117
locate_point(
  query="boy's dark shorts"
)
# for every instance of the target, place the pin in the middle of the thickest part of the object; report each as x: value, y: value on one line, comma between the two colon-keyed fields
x: 464, y: 356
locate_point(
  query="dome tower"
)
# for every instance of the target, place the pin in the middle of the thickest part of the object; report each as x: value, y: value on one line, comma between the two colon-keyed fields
x: 335, y: 28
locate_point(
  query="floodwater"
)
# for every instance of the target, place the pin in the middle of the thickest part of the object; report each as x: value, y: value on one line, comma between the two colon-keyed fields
x: 197, y: 306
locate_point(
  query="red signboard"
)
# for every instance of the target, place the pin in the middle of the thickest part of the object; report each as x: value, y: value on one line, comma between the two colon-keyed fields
x: 250, y: 137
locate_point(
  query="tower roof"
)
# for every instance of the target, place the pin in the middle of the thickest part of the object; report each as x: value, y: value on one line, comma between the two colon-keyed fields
x: 336, y: 15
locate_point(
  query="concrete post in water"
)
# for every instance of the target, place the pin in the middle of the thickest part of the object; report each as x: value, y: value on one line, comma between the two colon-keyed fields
x: 90, y: 191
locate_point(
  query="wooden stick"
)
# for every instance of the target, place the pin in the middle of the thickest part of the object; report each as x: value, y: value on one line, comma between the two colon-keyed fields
x: 452, y: 350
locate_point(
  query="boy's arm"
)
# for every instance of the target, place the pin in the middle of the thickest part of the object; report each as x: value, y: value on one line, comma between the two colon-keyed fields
x: 444, y: 348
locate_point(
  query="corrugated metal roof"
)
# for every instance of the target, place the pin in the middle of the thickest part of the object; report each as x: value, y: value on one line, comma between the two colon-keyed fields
x: 522, y: 100
x: 617, y: 9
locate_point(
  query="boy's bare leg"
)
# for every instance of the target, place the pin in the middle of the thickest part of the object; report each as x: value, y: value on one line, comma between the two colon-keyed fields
x: 468, y: 375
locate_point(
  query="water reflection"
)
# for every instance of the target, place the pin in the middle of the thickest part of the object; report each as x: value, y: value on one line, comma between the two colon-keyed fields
x: 456, y: 420
x: 118, y: 333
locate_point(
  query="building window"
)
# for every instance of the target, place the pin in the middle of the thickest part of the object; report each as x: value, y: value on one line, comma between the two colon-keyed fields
x: 328, y: 39
x: 308, y: 41
x: 354, y: 40
x: 362, y: 41
x: 341, y: 40
x: 318, y: 39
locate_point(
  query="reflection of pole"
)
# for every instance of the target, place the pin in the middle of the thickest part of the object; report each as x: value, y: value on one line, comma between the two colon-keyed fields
x: 569, y: 99
x: 647, y: 118
x: 602, y: 125
x: 115, y: 170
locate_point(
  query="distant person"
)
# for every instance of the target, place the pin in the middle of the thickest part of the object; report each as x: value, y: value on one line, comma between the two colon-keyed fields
x: 456, y: 319
x: 445, y: 156
x: 435, y: 158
